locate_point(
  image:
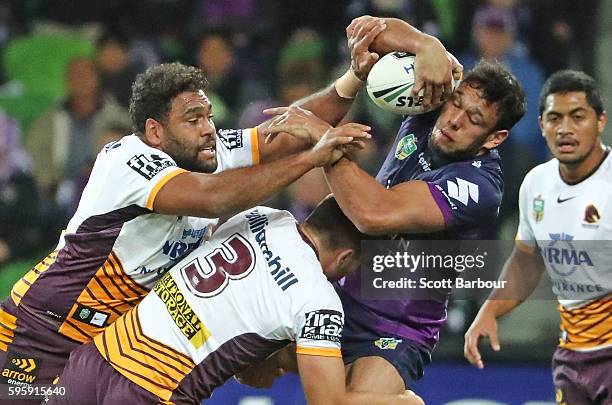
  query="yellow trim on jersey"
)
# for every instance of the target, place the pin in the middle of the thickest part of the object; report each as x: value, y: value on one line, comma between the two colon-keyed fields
x: 318, y: 351
x: 23, y: 285
x: 110, y: 292
x: 523, y: 247
x: 160, y: 184
x: 154, y: 366
x: 587, y: 327
x: 255, y: 146
x: 8, y: 323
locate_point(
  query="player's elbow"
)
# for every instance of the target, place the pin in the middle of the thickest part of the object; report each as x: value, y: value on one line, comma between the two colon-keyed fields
x: 372, y: 223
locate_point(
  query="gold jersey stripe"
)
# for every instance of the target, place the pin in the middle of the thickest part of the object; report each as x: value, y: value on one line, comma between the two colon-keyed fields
x: 8, y: 323
x: 255, y: 146
x: 22, y: 286
x: 318, y: 351
x: 586, y: 327
x: 130, y: 352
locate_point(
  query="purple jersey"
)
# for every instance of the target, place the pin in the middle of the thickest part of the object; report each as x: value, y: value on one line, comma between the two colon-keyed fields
x: 467, y: 192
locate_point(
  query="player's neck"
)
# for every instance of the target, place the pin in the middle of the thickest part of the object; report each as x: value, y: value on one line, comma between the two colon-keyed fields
x: 575, y: 173
x: 310, y: 237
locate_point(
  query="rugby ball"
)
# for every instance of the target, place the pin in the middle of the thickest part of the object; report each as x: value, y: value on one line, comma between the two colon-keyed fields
x: 390, y: 84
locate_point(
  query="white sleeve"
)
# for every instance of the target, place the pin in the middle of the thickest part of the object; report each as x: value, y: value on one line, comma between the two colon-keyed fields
x: 237, y: 148
x: 319, y: 323
x: 524, y: 233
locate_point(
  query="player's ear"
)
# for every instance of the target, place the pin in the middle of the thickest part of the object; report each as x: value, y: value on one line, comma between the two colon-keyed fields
x: 541, y: 124
x: 496, y: 138
x: 343, y: 261
x: 601, y: 122
x: 153, y: 132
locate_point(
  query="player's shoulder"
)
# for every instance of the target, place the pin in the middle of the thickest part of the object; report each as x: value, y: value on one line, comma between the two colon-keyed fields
x: 482, y: 171
x: 542, y: 173
x: 131, y: 155
x: 234, y: 138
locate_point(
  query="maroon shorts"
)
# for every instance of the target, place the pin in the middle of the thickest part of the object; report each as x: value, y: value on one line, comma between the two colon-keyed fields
x: 583, y: 378
x: 31, y: 352
x: 91, y: 380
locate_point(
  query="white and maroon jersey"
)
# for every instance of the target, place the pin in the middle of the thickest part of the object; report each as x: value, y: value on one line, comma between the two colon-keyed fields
x: 571, y: 226
x: 254, y: 286
x: 115, y: 247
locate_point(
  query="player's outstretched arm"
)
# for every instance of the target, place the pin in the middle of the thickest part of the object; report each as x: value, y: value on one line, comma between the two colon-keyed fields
x: 232, y: 191
x: 324, y: 384
x: 405, y: 208
x: 522, y: 272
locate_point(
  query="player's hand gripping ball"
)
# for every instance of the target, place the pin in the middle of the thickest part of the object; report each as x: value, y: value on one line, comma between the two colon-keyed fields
x: 390, y: 84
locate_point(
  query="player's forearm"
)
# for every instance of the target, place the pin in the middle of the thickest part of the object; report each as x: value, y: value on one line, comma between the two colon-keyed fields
x: 401, y: 36
x: 327, y: 105
x: 357, y: 193
x: 521, y: 273
x: 231, y: 191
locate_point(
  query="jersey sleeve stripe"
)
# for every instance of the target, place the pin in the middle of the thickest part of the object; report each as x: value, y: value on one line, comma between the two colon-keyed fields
x: 160, y: 184
x: 318, y: 351
x: 442, y: 203
x: 255, y: 146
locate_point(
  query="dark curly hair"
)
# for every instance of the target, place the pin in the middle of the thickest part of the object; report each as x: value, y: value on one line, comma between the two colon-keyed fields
x: 498, y: 86
x: 154, y: 90
x: 565, y: 81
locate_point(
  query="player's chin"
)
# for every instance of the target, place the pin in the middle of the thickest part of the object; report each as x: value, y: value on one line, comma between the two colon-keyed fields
x: 208, y: 165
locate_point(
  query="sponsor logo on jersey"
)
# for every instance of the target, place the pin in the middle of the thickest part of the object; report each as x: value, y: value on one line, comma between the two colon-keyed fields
x: 20, y: 369
x: 477, y: 164
x: 90, y: 316
x: 387, y: 343
x: 323, y: 324
x: 181, y: 312
x: 591, y: 217
x: 561, y: 255
x: 149, y: 166
x: 538, y: 208
x: 405, y: 147
x: 231, y: 138
x: 283, y: 277
x: 424, y: 163
x: 463, y: 191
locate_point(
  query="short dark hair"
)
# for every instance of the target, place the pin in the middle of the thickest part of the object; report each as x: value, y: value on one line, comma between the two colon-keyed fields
x: 498, y: 86
x: 330, y: 223
x: 565, y: 81
x: 154, y: 90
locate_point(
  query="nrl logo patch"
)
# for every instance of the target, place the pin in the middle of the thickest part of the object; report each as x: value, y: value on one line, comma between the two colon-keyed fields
x: 405, y: 147
x: 387, y: 343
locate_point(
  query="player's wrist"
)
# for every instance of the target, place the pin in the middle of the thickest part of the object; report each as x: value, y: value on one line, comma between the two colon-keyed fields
x: 427, y: 43
x: 348, y: 85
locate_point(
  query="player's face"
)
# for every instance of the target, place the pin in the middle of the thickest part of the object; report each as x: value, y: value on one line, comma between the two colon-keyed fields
x: 571, y: 126
x: 190, y: 134
x: 464, y: 125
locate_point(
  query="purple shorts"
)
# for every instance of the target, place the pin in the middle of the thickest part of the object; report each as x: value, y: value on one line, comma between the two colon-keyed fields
x: 583, y: 378
x: 30, y: 353
x: 91, y: 380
